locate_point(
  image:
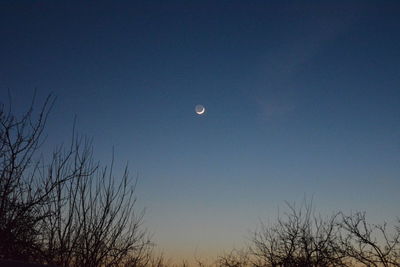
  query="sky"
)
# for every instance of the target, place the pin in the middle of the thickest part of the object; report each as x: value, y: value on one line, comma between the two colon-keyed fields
x: 302, y: 101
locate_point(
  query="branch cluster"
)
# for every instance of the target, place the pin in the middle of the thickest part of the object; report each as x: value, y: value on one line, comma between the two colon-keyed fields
x: 67, y: 211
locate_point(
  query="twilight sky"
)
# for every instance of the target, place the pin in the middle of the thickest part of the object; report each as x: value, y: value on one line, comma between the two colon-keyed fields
x: 302, y: 99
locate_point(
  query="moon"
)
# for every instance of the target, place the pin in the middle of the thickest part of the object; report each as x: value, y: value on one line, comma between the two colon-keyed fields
x: 200, y: 109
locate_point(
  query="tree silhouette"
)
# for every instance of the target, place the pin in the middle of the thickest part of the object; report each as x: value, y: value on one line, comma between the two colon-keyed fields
x: 69, y: 211
x: 298, y: 239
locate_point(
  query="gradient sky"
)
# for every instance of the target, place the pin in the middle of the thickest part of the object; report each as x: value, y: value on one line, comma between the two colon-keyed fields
x: 302, y: 99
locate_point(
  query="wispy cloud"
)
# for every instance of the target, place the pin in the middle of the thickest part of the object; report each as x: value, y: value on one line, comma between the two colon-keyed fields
x: 272, y: 110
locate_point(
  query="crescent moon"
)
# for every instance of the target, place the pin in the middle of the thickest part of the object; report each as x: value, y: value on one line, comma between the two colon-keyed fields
x: 201, y: 111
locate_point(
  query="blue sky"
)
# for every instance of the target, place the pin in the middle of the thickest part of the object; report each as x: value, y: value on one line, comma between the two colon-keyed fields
x: 302, y: 99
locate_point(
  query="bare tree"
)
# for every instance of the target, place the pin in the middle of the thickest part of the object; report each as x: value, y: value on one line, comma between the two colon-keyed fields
x: 68, y: 212
x: 93, y: 220
x: 370, y: 245
x: 298, y: 239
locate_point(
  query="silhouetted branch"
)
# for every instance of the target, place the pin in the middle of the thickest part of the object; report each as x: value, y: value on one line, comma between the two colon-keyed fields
x: 370, y: 245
